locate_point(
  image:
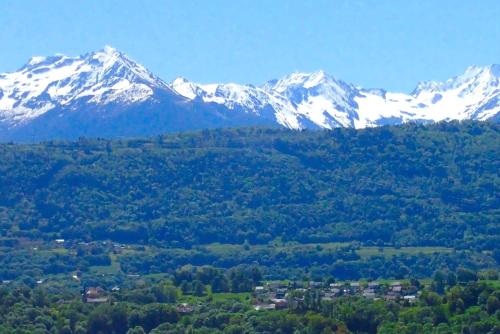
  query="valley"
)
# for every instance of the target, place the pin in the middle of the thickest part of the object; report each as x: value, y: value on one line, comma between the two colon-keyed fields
x: 253, y: 230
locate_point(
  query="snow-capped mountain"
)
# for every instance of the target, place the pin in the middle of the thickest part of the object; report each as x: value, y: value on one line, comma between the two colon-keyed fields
x: 304, y: 100
x: 472, y: 95
x: 107, y: 94
x: 100, y: 94
x: 99, y: 78
x: 317, y: 98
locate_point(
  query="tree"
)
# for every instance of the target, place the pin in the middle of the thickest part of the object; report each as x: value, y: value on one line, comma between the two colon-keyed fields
x: 186, y: 287
x: 430, y: 298
x: 233, y: 329
x: 438, y: 282
x: 39, y: 297
x: 136, y: 330
x: 99, y: 321
x: 466, y: 275
x: 119, y: 319
x: 451, y: 279
x: 198, y: 288
x: 492, y: 305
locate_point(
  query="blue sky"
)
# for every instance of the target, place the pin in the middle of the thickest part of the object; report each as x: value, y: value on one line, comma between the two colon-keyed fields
x: 381, y: 43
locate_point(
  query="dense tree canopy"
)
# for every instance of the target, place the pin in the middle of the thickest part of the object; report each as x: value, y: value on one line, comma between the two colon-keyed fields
x: 409, y: 185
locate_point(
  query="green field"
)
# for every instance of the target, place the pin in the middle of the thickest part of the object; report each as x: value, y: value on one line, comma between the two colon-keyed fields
x: 364, y: 252
x: 391, y: 251
x: 112, y: 269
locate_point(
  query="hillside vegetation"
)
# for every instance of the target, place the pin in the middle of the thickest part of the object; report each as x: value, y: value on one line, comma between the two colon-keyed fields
x: 412, y: 185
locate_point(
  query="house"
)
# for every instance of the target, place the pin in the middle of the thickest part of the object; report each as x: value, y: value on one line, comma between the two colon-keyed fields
x: 184, y: 308
x: 95, y: 295
x: 315, y: 285
x: 275, y: 285
x: 369, y: 293
x: 280, y: 293
x: 99, y: 300
x: 397, y: 289
x: 395, y: 285
x: 264, y: 307
x: 390, y: 297
x: 94, y: 291
x: 336, y: 285
x: 259, y: 290
x: 354, y: 287
x: 279, y: 303
x: 410, y: 298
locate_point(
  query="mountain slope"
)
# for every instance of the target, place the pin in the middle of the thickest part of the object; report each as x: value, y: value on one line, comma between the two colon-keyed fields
x: 406, y: 185
x: 106, y: 94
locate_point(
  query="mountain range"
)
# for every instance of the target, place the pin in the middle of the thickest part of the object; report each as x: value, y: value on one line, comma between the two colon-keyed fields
x: 106, y: 94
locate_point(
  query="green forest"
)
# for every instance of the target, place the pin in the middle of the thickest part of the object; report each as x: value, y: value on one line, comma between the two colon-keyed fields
x: 412, y: 185
x: 395, y: 202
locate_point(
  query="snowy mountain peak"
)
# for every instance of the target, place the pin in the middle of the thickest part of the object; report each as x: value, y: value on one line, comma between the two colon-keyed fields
x: 185, y: 88
x: 36, y: 60
x: 45, y: 83
x: 318, y: 99
x: 472, y: 78
x: 112, y: 62
x: 109, y: 50
x: 300, y: 79
x: 180, y: 81
x: 318, y: 78
x: 473, y: 71
x: 108, y: 55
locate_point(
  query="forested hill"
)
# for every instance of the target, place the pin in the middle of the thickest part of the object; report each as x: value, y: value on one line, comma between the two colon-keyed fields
x: 410, y: 185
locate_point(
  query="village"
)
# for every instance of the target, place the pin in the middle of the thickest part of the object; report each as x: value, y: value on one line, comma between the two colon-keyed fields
x: 279, y: 295
x: 270, y: 295
x: 275, y: 295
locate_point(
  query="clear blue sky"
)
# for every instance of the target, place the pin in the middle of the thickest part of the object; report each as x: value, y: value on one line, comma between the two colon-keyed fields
x: 374, y: 43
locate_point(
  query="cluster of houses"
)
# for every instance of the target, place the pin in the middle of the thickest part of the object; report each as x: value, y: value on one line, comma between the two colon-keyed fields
x: 279, y: 296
